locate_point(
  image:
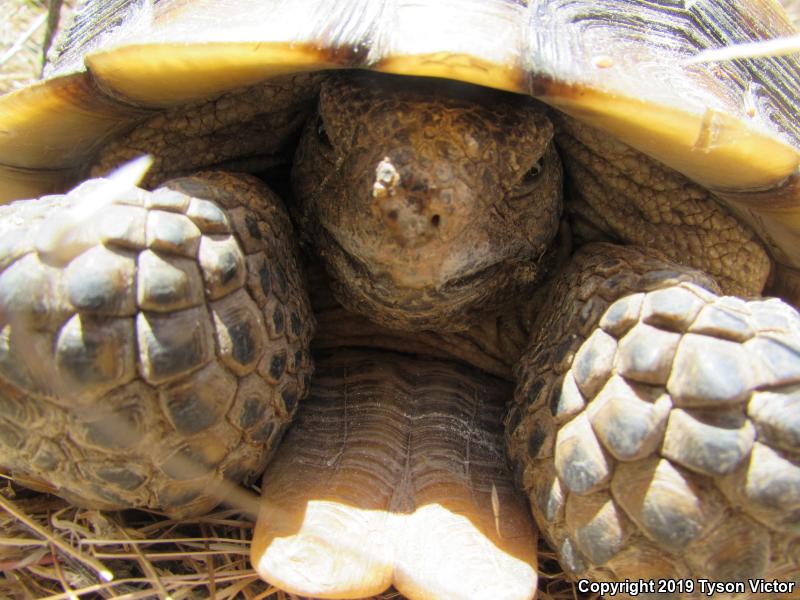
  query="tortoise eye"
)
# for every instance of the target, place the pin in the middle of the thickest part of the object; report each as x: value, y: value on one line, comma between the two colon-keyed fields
x: 533, y: 173
x: 322, y: 135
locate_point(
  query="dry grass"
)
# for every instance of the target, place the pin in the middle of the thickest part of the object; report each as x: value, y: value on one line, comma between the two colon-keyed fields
x: 49, y: 549
x: 22, y: 31
x: 52, y: 550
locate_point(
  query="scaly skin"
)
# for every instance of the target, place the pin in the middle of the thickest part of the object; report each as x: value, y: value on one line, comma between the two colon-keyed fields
x: 656, y: 426
x: 244, y: 130
x: 153, y: 345
x: 427, y: 204
x: 634, y: 199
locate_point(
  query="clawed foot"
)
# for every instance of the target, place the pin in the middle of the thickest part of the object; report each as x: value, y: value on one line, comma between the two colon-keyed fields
x: 661, y: 438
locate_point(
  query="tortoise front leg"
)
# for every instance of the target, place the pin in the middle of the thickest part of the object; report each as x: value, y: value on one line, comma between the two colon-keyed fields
x: 394, y: 473
x: 656, y: 425
x: 151, y: 343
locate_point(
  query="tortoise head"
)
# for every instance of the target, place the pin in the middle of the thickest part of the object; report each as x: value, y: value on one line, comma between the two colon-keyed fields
x: 427, y: 198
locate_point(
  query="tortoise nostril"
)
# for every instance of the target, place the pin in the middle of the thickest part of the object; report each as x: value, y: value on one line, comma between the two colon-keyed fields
x: 435, y: 220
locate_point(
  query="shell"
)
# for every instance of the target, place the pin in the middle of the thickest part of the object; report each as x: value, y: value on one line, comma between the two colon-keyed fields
x: 621, y: 66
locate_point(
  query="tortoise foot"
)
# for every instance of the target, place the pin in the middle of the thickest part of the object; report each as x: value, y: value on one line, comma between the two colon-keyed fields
x: 661, y: 439
x: 151, y: 343
x: 394, y: 474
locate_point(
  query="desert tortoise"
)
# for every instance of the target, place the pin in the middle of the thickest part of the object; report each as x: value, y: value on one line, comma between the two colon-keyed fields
x: 654, y: 427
